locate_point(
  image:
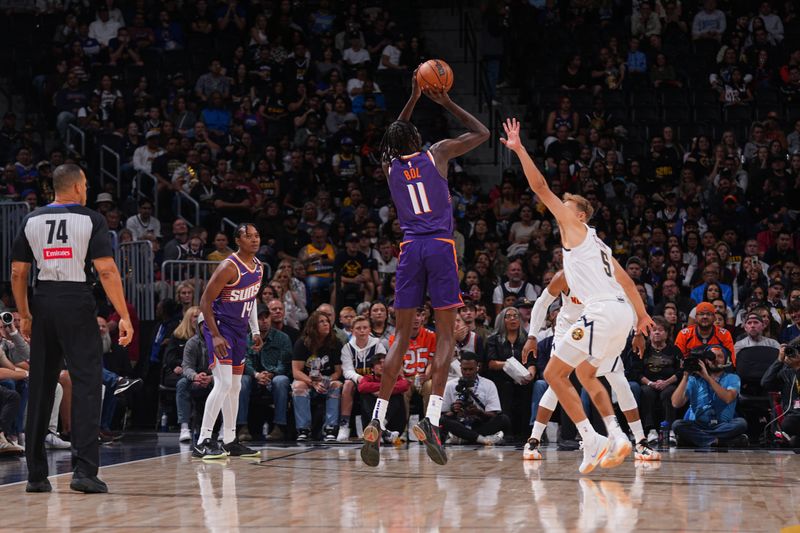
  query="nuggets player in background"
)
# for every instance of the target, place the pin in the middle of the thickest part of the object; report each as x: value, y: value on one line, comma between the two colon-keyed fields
x: 228, y: 305
x: 595, y: 278
x: 418, y: 185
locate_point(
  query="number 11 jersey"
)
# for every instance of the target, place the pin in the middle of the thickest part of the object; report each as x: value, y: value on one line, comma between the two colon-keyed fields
x: 589, y: 270
x: 421, y: 197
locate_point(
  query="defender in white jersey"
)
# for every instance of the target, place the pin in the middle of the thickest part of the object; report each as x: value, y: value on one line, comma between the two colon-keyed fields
x: 596, y: 279
x: 611, y: 368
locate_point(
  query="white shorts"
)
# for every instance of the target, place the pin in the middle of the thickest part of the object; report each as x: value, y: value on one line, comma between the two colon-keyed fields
x: 599, y: 335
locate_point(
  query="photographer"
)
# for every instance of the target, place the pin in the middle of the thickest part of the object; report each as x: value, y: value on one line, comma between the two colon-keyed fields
x: 471, y: 407
x: 705, y: 333
x: 17, y: 353
x: 11, y: 340
x: 784, y: 375
x: 711, y: 392
x: 11, y: 409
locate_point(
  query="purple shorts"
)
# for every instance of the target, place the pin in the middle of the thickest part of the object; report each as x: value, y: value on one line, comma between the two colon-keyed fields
x: 427, y: 263
x: 237, y: 351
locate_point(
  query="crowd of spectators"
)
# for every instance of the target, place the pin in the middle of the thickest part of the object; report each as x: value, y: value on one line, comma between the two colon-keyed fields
x: 273, y: 112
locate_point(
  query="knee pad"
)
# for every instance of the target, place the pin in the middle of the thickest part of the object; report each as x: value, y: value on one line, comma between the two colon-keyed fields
x: 549, y: 401
x: 625, y: 398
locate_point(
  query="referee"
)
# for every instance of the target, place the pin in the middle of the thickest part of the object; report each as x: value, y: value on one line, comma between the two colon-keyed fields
x: 65, y: 239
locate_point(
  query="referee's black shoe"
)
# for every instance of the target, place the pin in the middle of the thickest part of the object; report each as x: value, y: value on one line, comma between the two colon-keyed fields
x: 39, y: 486
x: 88, y: 485
x: 126, y: 384
x: 237, y: 449
x: 208, y: 449
x: 428, y: 434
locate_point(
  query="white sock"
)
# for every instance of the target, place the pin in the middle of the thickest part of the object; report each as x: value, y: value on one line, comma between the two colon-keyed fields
x: 638, y: 430
x: 205, y: 433
x: 223, y: 378
x: 612, y: 426
x: 379, y: 411
x: 587, y: 431
x: 434, y: 409
x: 538, y: 430
x: 184, y: 425
x: 230, y: 408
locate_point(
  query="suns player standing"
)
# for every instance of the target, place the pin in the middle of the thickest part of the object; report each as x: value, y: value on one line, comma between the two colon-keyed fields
x: 611, y: 368
x: 597, y: 280
x: 418, y: 185
x: 228, y: 305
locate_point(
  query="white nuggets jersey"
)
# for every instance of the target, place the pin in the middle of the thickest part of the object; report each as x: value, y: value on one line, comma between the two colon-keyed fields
x: 589, y: 270
x: 571, y: 310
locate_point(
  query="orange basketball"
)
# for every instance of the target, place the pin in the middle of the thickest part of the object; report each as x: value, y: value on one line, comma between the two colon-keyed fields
x: 435, y: 73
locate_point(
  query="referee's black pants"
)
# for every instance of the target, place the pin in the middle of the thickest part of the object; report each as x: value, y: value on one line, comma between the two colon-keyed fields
x: 64, y: 327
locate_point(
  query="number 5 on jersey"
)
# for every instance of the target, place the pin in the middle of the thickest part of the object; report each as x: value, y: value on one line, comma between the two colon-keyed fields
x: 419, y: 200
x: 606, y: 263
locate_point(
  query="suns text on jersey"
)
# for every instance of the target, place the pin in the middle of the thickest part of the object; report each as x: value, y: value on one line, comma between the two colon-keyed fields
x: 241, y: 295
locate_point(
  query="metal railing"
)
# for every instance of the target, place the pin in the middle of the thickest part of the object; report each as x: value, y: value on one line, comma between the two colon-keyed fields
x: 136, y: 266
x: 227, y: 223
x: 109, y: 167
x: 469, y: 40
x: 11, y: 216
x: 142, y: 189
x: 74, y: 131
x: 182, y: 197
x: 173, y: 272
x: 114, y: 240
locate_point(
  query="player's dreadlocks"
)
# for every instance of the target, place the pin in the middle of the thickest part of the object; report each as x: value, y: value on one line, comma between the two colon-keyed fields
x: 401, y: 138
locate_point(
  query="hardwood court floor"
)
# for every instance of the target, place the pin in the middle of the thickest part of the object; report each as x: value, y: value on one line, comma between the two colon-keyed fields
x: 327, y: 488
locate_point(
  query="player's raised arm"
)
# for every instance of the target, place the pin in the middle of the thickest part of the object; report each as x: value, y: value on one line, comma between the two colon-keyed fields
x: 643, y: 321
x: 571, y: 227
x: 408, y: 110
x: 447, y: 149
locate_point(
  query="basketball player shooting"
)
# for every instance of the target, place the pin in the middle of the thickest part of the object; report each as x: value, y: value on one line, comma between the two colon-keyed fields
x: 597, y: 280
x: 418, y: 186
x: 228, y: 305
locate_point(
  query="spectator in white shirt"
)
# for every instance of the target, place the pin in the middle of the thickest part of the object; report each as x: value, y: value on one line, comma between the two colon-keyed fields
x: 390, y: 57
x: 356, y: 55
x: 772, y: 22
x: 144, y: 222
x: 355, y: 86
x: 709, y: 23
x: 754, y: 327
x: 103, y: 29
x: 144, y: 156
x: 515, y: 286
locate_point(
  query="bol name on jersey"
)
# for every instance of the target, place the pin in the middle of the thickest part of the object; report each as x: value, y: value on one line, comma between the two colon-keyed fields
x: 421, y: 197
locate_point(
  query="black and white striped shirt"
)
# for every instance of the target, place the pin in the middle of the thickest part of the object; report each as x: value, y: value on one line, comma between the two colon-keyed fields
x: 63, y: 239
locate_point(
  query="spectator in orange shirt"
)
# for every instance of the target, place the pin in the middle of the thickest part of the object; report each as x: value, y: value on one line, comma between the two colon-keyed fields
x: 416, y: 369
x: 704, y: 332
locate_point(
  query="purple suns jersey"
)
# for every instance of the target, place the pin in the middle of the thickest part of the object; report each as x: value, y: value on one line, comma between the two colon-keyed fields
x: 421, y: 197
x: 237, y: 300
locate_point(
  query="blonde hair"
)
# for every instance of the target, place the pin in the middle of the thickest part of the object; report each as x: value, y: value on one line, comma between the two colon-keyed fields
x: 582, y: 203
x: 188, y: 326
